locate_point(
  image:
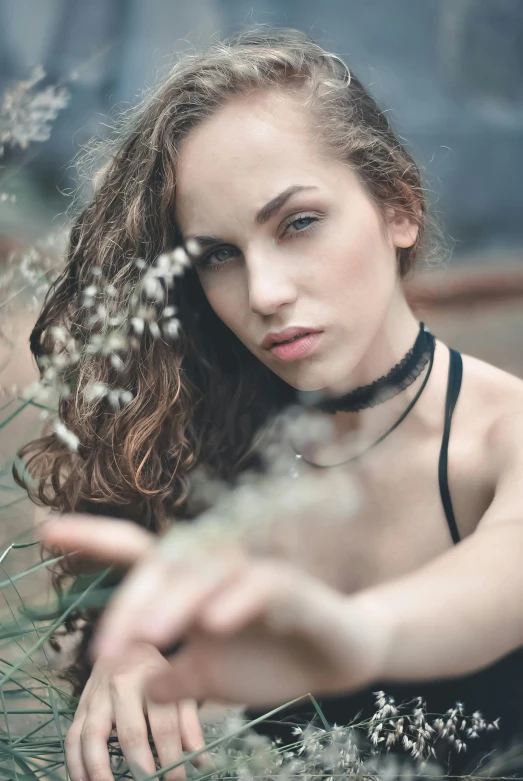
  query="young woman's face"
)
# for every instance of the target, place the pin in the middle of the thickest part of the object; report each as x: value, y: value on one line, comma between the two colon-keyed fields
x: 291, y: 240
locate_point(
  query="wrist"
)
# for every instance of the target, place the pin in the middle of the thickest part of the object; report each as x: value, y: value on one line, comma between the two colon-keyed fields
x: 369, y: 624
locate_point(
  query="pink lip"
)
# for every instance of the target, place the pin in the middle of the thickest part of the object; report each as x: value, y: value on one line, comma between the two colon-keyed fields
x: 288, y: 333
x: 292, y: 351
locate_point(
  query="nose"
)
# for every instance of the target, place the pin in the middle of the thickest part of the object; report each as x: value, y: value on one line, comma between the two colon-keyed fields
x: 270, y: 283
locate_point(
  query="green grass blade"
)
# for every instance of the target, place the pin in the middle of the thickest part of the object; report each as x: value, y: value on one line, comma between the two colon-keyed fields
x: 13, y: 415
x: 54, y: 626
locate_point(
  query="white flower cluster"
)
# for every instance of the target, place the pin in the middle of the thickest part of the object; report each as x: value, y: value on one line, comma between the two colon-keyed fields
x: 168, y: 265
x: 27, y: 273
x: 389, y: 725
x: 26, y: 114
x: 116, y: 318
x: 117, y: 397
x: 328, y: 753
x: 51, y: 386
x: 314, y: 753
x: 63, y: 433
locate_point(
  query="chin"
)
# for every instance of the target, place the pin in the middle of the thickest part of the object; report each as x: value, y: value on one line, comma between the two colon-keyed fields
x: 326, y: 379
x: 310, y: 381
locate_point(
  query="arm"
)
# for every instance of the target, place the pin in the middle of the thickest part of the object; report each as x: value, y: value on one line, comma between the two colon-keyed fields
x: 451, y: 617
x: 461, y: 611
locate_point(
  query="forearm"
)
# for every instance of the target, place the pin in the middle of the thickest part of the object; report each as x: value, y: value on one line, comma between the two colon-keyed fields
x: 453, y: 616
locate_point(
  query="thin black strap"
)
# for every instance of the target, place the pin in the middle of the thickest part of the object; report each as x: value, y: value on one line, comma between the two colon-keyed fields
x: 432, y: 347
x: 453, y: 389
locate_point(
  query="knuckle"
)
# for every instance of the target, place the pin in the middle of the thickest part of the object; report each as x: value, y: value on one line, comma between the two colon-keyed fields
x: 91, y: 731
x: 120, y: 683
x: 132, y: 735
x: 72, y: 736
x: 166, y: 728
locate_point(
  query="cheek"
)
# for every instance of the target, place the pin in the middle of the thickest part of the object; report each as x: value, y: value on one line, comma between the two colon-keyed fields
x: 368, y: 246
x: 350, y: 258
x: 224, y: 297
x: 217, y: 297
x: 358, y: 268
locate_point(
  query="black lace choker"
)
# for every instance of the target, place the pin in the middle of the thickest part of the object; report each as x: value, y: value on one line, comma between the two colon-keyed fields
x: 400, y: 377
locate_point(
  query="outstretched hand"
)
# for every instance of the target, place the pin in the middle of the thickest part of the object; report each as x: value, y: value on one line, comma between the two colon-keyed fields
x: 255, y: 631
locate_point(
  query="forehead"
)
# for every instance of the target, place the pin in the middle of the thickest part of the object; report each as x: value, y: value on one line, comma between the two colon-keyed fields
x: 252, y: 148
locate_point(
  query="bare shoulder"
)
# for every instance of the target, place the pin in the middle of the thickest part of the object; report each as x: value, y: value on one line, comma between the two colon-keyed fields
x: 495, y: 397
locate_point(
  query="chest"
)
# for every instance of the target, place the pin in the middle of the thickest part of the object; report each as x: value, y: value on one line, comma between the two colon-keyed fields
x: 398, y: 522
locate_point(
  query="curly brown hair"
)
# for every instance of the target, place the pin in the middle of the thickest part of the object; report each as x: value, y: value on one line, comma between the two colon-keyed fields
x: 197, y: 400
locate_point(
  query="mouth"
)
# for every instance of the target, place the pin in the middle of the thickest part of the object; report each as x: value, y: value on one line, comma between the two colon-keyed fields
x: 297, y: 346
x: 287, y: 336
x: 293, y: 339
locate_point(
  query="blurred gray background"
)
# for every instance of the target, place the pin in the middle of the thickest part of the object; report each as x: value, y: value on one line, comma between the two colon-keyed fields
x: 449, y: 71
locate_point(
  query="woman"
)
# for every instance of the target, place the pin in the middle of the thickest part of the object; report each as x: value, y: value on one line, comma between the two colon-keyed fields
x: 303, y: 214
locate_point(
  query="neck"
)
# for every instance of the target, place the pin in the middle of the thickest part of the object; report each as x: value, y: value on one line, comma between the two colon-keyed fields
x: 394, y: 337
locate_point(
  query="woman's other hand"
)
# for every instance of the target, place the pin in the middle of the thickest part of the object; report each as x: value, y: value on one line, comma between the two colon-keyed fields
x: 256, y: 631
x: 115, y: 697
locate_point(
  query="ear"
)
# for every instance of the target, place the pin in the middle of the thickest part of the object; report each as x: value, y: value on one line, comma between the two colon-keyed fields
x: 403, y: 229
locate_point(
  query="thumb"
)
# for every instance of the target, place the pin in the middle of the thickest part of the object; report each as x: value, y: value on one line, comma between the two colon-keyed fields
x: 101, y: 538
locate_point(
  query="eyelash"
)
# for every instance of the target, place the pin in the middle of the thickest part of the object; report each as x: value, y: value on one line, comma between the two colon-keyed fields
x: 204, y: 264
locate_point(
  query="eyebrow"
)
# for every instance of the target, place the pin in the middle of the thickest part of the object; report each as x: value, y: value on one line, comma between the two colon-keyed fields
x: 274, y: 206
x: 263, y: 216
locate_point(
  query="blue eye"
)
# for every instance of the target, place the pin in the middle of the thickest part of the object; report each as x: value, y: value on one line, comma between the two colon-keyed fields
x: 218, y: 254
x: 306, y: 220
x: 221, y: 255
x: 300, y: 224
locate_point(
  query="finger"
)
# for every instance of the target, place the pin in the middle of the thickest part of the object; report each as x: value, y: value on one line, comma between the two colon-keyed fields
x: 268, y: 590
x: 118, y: 626
x: 165, y: 728
x: 191, y: 731
x: 156, y: 604
x: 237, y: 605
x: 182, y: 681
x: 131, y: 727
x: 73, y: 751
x: 180, y: 602
x: 94, y: 736
x: 108, y: 540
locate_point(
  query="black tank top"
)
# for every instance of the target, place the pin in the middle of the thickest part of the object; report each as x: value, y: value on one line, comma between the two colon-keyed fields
x: 495, y: 691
